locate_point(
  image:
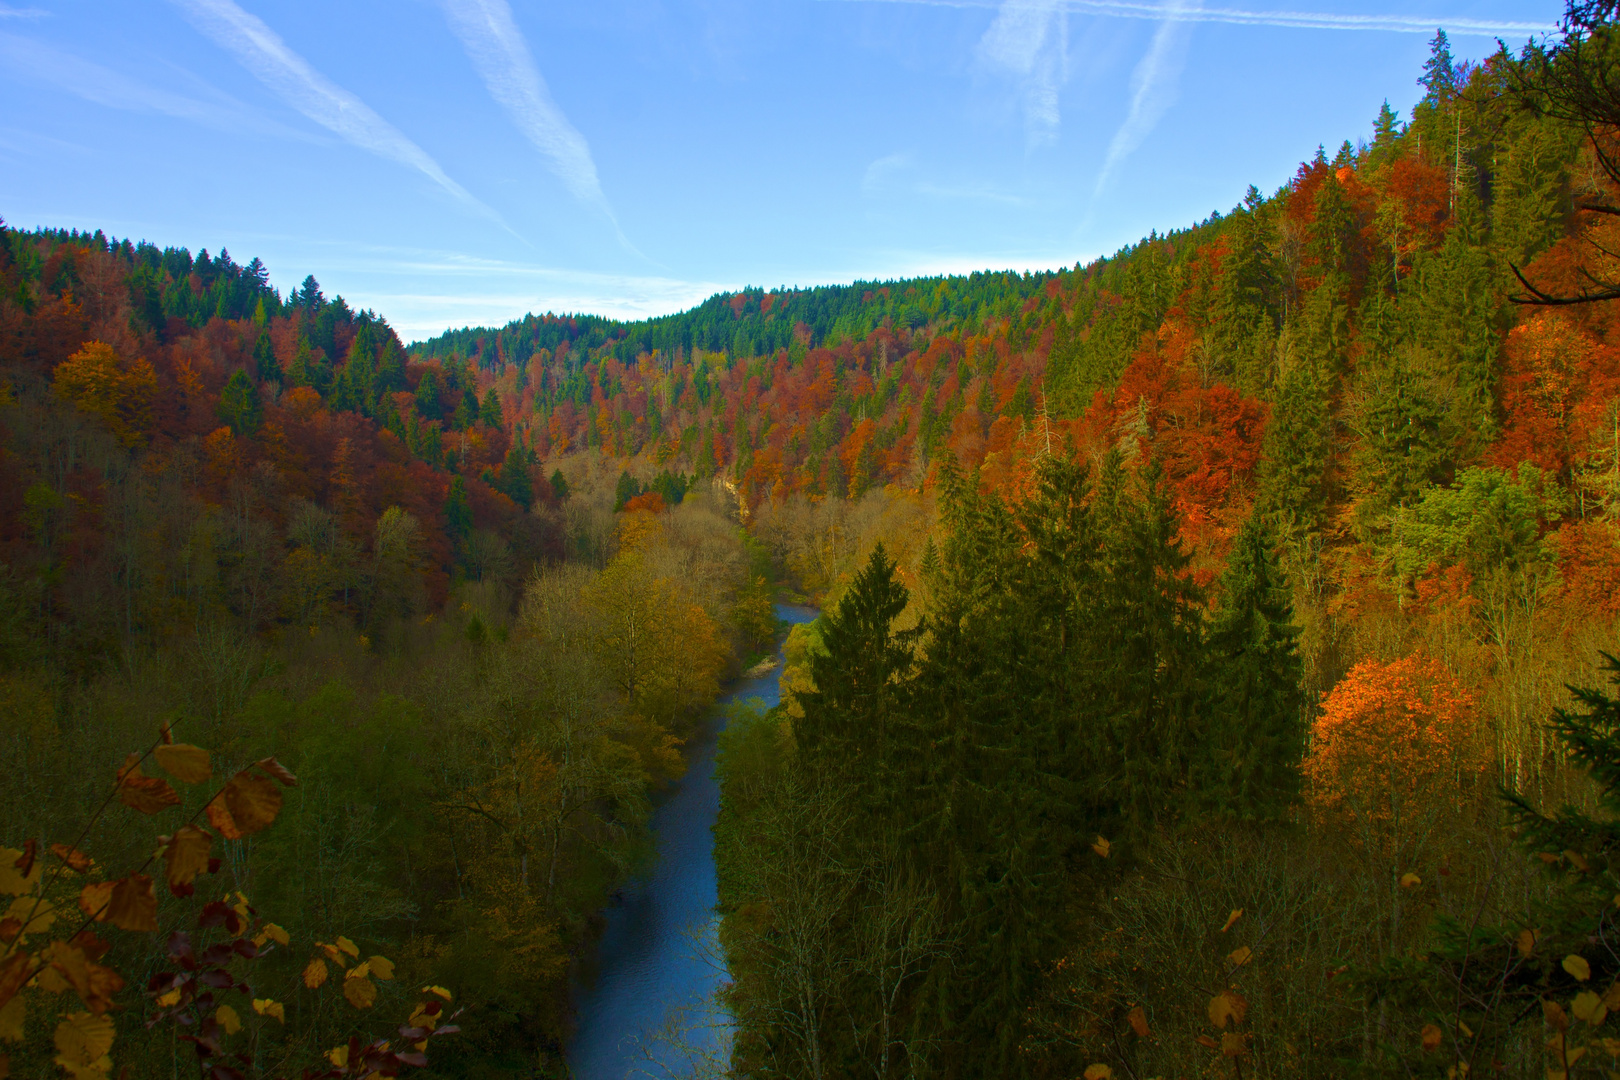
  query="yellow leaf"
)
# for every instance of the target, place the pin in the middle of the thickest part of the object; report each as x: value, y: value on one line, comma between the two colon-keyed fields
x: 315, y: 973
x: 1231, y: 919
x: 361, y: 992
x: 33, y: 915
x: 1410, y: 881
x: 382, y: 967
x: 169, y: 999
x: 273, y: 1009
x: 187, y: 764
x: 82, y: 1044
x: 1577, y: 966
x: 339, y: 1055
x: 276, y: 934
x: 1585, y: 1004
x: 1611, y: 997
x: 1577, y: 861
x: 441, y: 991
x: 359, y: 971
x: 1098, y: 1072
x: 349, y: 947
x: 1234, y: 1044
x: 185, y: 856
x: 1101, y: 847
x: 11, y: 1020
x: 228, y: 1019
x: 1138, y: 1021
x: 13, y: 882
x: 1227, y: 1006
x: 1241, y: 956
x: 1432, y: 1036
x: 1527, y: 942
x: 1575, y: 1055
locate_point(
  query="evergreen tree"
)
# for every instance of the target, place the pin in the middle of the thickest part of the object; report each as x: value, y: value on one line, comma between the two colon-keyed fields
x: 239, y: 404
x: 626, y: 489
x: 490, y: 413
x: 559, y: 484
x: 457, y: 512
x: 427, y: 395
x: 515, y: 482
x: 265, y: 365
x: 1258, y: 734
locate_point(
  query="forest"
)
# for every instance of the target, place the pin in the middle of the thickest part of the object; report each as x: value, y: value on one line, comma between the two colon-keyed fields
x: 1213, y: 678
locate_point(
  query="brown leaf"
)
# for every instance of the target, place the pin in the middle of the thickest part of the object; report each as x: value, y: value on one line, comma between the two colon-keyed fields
x: 25, y: 862
x: 361, y: 992
x: 11, y: 1020
x: 13, y: 883
x: 141, y: 792
x: 220, y: 818
x: 184, y: 857
x: 1228, y: 1005
x: 1527, y: 942
x: 253, y: 803
x: 1231, y: 919
x: 94, y: 983
x: 1234, y: 1044
x: 186, y: 763
x: 134, y: 904
x: 1206, y: 1041
x: 279, y: 771
x: 1554, y: 1014
x: 1098, y: 1072
x: 95, y: 898
x: 1432, y: 1036
x: 17, y: 969
x: 315, y: 974
x: 10, y: 928
x: 1102, y: 847
x: 1241, y: 955
x: 33, y: 914
x: 76, y: 860
x: 1138, y: 1021
x: 82, y: 1044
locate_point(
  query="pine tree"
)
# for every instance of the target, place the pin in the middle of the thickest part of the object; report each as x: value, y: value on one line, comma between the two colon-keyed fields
x: 457, y: 512
x: 559, y: 484
x: 490, y: 413
x: 265, y: 365
x: 239, y: 404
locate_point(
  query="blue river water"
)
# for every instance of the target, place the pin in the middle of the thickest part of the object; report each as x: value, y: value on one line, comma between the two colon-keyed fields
x: 647, y: 1008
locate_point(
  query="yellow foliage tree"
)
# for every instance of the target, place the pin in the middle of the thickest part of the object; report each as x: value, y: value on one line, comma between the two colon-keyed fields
x: 99, y: 382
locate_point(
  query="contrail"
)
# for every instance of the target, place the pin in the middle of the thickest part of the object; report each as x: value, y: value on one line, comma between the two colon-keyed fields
x: 1300, y: 20
x: 260, y: 50
x: 1152, y: 90
x: 498, y: 50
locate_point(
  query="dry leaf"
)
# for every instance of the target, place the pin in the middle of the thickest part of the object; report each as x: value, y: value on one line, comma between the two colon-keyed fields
x: 1226, y: 1006
x: 279, y: 771
x: 145, y: 793
x: 228, y: 1019
x: 349, y: 947
x: 1241, y: 955
x: 272, y: 1009
x: 1554, y: 1014
x: 1410, y: 881
x: 134, y: 905
x: 1231, y: 919
x: 76, y: 860
x: 441, y: 991
x: 1432, y: 1037
x: 1138, y: 1021
x: 1527, y: 942
x: 1577, y: 966
x: 82, y: 1045
x: 186, y: 763
x: 1234, y: 1044
x: 33, y: 915
x: 315, y: 973
x: 184, y: 857
x: 275, y: 933
x: 361, y: 991
x: 1098, y: 1072
x: 1102, y: 847
x: 11, y: 1020
x: 12, y: 881
x: 251, y: 802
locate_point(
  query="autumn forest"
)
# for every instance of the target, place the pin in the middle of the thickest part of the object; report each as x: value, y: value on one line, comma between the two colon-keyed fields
x: 1213, y: 675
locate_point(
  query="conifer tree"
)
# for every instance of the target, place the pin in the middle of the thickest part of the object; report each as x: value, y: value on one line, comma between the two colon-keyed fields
x: 265, y: 365
x: 1258, y: 734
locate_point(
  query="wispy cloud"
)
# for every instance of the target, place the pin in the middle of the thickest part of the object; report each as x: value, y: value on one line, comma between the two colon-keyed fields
x: 39, y: 62
x: 1029, y: 40
x: 1153, y: 89
x: 260, y: 50
x: 881, y: 173
x: 498, y: 50
x: 1300, y: 20
x: 8, y: 12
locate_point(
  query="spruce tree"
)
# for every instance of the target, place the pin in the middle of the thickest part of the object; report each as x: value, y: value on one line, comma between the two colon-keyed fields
x: 265, y: 365
x: 1258, y: 731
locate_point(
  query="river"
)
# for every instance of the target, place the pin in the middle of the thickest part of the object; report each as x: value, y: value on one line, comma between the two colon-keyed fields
x: 645, y: 1008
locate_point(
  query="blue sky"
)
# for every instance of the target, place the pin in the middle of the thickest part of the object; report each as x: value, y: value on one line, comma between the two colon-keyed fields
x: 453, y: 162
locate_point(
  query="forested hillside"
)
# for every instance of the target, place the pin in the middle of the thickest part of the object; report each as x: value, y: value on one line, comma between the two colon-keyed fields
x: 1188, y: 616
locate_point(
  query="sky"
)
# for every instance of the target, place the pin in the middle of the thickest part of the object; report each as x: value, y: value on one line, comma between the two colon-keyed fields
x: 462, y: 162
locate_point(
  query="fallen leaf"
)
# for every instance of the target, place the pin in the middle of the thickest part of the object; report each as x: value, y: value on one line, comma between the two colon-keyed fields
x: 315, y: 973
x: 1138, y: 1021
x: 1410, y: 881
x: 1232, y: 919
x: 1102, y: 847
x: 1432, y: 1037
x: 1098, y: 1072
x: 1241, y: 955
x: 1234, y: 1044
